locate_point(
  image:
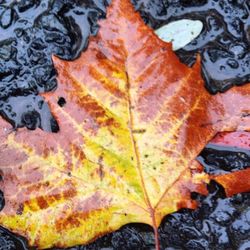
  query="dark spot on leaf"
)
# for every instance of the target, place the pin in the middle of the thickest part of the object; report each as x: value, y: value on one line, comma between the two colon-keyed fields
x: 2, y: 200
x: 54, y: 125
x: 20, y: 209
x: 61, y: 101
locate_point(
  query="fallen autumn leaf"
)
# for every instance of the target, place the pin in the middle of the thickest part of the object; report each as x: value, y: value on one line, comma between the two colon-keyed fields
x: 134, y: 121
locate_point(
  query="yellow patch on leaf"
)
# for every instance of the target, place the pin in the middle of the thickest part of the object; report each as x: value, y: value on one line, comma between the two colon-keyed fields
x: 134, y: 121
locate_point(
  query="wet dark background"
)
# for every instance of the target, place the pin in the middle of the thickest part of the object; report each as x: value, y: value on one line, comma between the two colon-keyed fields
x: 32, y: 30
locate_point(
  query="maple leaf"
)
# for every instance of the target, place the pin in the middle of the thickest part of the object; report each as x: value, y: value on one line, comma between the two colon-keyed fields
x: 134, y: 121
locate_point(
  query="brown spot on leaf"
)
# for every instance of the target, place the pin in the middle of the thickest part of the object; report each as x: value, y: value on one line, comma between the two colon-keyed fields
x: 42, y: 203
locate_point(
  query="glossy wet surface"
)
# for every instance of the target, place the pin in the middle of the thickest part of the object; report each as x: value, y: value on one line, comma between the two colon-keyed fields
x: 31, y: 31
x: 222, y: 160
x: 9, y: 241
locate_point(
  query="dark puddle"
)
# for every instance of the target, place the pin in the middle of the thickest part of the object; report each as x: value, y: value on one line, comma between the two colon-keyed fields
x: 31, y: 31
x: 222, y: 160
x: 10, y: 241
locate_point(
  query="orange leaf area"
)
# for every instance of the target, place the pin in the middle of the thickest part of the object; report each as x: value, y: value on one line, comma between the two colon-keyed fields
x: 134, y: 121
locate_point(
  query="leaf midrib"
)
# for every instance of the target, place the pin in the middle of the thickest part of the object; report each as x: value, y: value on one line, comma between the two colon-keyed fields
x: 151, y: 210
